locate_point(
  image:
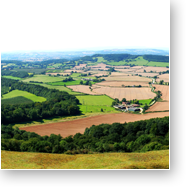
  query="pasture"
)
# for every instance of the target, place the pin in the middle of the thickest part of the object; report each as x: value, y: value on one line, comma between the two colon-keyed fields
x: 11, y: 77
x: 95, y: 100
x: 28, y: 160
x: 43, y: 78
x: 16, y: 93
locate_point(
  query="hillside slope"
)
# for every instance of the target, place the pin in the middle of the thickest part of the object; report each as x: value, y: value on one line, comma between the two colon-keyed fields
x: 25, y: 160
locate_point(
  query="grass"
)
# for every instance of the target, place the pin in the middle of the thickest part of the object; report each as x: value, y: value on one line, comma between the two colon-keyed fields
x: 11, y: 77
x: 147, y: 101
x: 94, y: 104
x: 95, y: 100
x: 96, y: 109
x: 16, y: 93
x: 29, y: 160
x: 139, y: 61
x: 61, y: 88
x: 43, y: 78
x: 16, y: 100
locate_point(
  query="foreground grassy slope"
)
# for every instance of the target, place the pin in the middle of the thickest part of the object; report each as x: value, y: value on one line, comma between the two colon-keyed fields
x: 25, y: 160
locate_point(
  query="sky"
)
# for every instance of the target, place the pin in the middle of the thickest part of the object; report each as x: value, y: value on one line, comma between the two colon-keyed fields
x: 62, y: 25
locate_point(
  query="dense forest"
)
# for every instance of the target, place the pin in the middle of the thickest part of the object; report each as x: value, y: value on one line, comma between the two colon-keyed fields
x: 156, y: 58
x: 139, y: 136
x: 20, y: 74
x: 59, y: 103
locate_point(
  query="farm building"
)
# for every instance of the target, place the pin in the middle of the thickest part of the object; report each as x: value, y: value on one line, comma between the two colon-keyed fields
x: 125, y: 103
x: 133, y: 109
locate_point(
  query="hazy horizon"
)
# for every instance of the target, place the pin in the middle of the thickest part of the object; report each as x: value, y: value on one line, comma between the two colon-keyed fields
x: 84, y: 25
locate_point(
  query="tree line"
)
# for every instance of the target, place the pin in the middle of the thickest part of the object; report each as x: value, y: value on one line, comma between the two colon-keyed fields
x: 20, y: 74
x: 157, y: 58
x: 59, y: 103
x: 139, y: 136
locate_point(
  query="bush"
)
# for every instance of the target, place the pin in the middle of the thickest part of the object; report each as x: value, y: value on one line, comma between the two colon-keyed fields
x: 151, y: 146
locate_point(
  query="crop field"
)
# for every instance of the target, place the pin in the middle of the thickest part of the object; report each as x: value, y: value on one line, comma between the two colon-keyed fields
x: 159, y: 106
x: 29, y: 160
x: 153, y: 69
x: 164, y: 90
x: 16, y: 100
x: 127, y: 78
x: 75, y: 82
x: 128, y: 93
x: 79, y: 125
x: 25, y: 94
x: 164, y: 77
x: 11, y: 77
x: 43, y: 78
x: 119, y: 84
x: 157, y: 64
x: 83, y: 89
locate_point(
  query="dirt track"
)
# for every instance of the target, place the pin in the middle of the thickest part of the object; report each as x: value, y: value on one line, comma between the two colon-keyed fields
x: 79, y: 125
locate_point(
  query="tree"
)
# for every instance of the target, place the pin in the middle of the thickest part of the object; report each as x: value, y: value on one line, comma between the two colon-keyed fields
x: 81, y: 82
x: 124, y: 100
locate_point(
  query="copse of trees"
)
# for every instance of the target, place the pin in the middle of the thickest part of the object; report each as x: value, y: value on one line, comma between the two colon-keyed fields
x: 139, y: 136
x: 59, y: 103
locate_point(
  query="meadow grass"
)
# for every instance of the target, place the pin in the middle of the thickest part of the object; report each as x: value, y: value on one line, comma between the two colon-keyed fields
x: 28, y: 160
x: 95, y: 104
x: 16, y: 93
x: 68, y: 83
x: 11, y: 77
x: 96, y: 109
x: 95, y: 100
x: 147, y: 101
x: 44, y: 78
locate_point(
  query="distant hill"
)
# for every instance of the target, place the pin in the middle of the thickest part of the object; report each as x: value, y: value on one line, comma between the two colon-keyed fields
x: 41, y: 56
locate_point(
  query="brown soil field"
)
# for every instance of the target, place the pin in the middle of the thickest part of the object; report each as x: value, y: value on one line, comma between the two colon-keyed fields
x: 128, y: 93
x: 80, y: 66
x: 120, y: 83
x: 154, y: 69
x: 79, y: 125
x: 99, y: 66
x: 164, y: 77
x: 127, y: 78
x: 164, y: 89
x: 148, y: 74
x: 83, y: 89
x: 159, y: 106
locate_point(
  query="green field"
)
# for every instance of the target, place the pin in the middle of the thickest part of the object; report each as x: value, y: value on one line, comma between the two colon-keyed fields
x: 94, y: 104
x: 16, y: 100
x: 29, y: 160
x: 95, y: 100
x: 61, y: 88
x: 147, y: 101
x: 43, y: 78
x: 25, y: 94
x: 139, y: 61
x: 11, y: 77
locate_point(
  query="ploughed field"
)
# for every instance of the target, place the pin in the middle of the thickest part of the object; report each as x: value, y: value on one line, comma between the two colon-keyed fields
x: 79, y: 125
x: 163, y: 105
